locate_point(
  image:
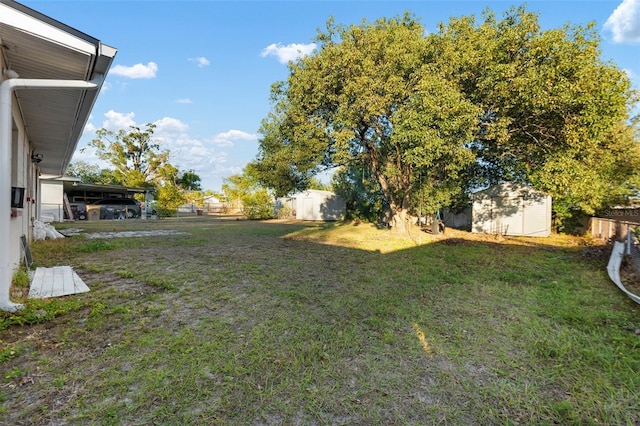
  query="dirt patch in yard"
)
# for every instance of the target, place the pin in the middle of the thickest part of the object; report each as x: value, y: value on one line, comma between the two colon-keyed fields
x: 630, y: 276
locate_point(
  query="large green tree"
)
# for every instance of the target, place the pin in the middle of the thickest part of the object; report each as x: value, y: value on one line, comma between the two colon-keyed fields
x: 432, y: 117
x: 138, y: 161
x: 136, y: 158
x: 370, y: 98
x: 555, y: 115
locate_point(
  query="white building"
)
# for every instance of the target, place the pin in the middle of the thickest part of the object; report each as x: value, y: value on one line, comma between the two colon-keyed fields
x: 317, y: 205
x: 510, y: 209
x: 50, y: 77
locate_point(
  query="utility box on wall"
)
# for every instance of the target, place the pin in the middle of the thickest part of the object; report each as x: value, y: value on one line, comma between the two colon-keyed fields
x: 511, y: 209
x: 17, y: 197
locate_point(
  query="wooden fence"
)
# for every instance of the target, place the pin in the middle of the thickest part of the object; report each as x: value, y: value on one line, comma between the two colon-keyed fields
x: 611, y: 229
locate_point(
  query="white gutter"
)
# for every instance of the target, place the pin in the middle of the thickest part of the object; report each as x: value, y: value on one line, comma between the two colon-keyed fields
x: 6, y: 89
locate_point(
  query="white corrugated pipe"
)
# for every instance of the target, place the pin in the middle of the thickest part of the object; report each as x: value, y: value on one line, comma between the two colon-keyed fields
x: 6, y: 89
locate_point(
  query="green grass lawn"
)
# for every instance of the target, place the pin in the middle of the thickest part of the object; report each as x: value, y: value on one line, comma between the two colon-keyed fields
x: 284, y: 323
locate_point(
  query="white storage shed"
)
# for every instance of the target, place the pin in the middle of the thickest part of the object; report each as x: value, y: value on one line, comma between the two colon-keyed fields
x: 511, y: 209
x: 319, y: 205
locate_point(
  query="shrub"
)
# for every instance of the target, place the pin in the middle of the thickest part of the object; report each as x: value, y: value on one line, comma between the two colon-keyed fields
x: 258, y: 205
x: 285, y: 212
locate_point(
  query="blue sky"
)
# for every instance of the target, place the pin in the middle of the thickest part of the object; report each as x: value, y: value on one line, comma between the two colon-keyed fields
x: 202, y: 70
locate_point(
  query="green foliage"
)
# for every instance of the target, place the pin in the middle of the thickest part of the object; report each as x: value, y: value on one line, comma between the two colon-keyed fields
x: 245, y: 190
x: 285, y: 212
x: 168, y: 195
x: 91, y: 173
x: 189, y: 181
x: 136, y: 159
x: 258, y: 205
x: 14, y: 374
x: 369, y: 98
x: 431, y: 118
x: 361, y: 192
x: 38, y: 310
x: 555, y: 114
x: 93, y: 246
x: 315, y: 183
x: 168, y: 199
x: 8, y: 353
x: 21, y: 279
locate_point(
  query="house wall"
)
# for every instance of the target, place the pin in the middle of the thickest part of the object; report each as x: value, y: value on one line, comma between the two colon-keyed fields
x: 51, y: 200
x: 24, y: 174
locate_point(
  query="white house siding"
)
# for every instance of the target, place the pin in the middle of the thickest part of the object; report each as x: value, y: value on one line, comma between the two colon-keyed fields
x: 510, y: 209
x: 51, y: 199
x: 23, y: 175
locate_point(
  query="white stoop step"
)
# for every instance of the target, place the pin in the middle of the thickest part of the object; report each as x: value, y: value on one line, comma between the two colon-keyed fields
x: 55, y: 282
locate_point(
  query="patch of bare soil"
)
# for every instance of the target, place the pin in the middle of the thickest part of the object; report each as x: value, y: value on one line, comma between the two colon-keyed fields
x: 630, y: 276
x: 599, y: 253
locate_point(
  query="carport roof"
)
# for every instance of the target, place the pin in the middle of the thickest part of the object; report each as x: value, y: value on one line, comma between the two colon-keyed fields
x: 38, y: 47
x: 69, y: 185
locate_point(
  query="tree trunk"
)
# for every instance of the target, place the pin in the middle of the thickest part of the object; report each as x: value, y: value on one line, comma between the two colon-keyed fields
x: 401, y: 221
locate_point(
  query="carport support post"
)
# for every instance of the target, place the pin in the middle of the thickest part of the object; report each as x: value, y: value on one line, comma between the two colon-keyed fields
x: 6, y: 89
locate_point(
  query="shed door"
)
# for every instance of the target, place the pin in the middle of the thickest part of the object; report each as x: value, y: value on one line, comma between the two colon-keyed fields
x: 307, y: 209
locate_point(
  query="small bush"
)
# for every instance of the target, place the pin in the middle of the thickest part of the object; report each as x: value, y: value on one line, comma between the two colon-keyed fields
x: 258, y: 205
x: 285, y: 212
x: 21, y: 279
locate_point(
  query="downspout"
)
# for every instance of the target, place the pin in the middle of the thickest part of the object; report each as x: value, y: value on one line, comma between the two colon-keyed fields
x: 6, y: 89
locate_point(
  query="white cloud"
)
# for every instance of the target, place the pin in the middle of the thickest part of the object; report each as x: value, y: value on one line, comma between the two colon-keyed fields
x: 184, y: 101
x: 136, y: 71
x: 89, y: 128
x: 105, y: 87
x: 287, y: 53
x: 201, y: 61
x: 117, y: 120
x: 632, y: 76
x: 227, y: 138
x: 171, y: 126
x: 624, y: 22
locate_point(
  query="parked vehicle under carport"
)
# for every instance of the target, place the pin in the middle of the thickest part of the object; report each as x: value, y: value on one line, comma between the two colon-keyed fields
x: 118, y: 208
x: 79, y: 211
